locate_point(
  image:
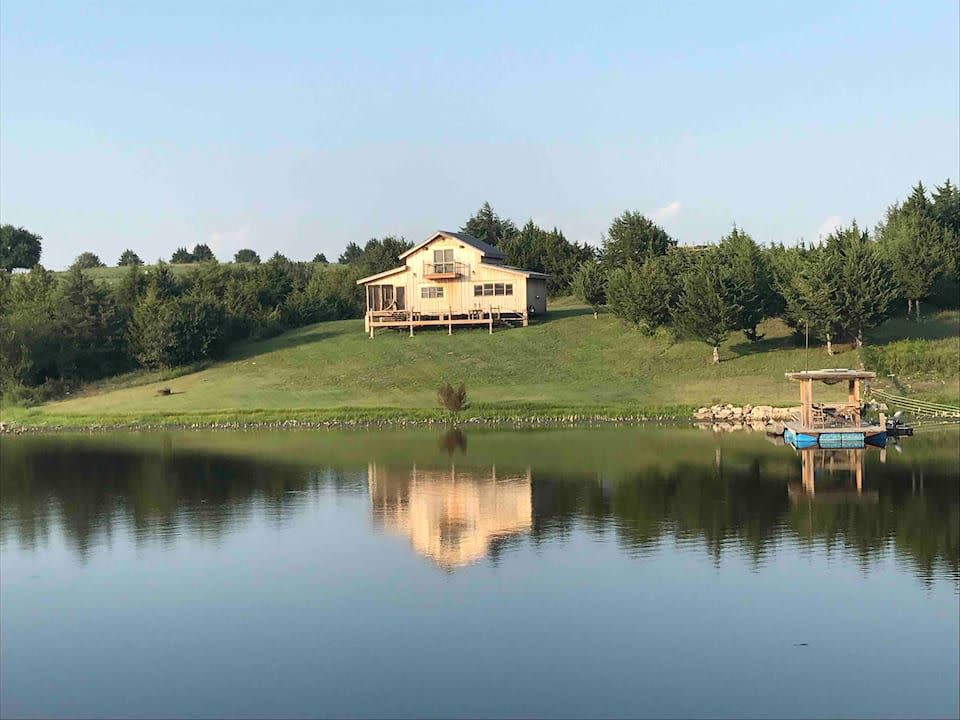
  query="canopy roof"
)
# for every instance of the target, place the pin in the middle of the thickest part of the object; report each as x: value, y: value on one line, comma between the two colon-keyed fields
x: 831, y: 375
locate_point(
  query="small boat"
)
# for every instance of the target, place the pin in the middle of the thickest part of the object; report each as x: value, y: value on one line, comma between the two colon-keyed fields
x: 896, y: 427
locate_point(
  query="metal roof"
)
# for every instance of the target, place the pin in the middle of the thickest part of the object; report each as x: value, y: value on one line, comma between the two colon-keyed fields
x: 486, y: 249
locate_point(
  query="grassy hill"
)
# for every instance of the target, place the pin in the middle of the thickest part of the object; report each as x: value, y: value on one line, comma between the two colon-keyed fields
x: 569, y: 363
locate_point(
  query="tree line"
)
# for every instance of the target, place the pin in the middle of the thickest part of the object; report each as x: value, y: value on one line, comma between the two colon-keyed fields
x: 57, y: 330
x: 835, y: 290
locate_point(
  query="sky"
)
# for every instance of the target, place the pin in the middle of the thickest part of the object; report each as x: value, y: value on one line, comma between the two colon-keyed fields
x: 299, y: 127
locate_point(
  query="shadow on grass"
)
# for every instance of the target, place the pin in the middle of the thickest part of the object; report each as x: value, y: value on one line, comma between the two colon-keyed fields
x: 942, y: 326
x: 253, y: 348
x: 781, y: 342
x: 559, y: 313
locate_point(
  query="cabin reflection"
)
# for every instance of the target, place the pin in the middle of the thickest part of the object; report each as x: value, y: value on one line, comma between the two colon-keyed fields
x: 831, y: 476
x: 453, y: 516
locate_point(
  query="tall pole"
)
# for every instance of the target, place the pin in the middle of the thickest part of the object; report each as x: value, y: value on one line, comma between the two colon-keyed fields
x: 806, y: 344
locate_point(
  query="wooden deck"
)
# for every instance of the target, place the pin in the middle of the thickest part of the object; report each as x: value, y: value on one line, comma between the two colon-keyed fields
x: 410, y: 319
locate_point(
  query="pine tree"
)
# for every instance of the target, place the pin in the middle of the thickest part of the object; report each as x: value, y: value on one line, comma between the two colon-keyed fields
x: 129, y: 257
x: 705, y: 311
x: 640, y: 294
x: 750, y: 280
x: 486, y: 225
x: 590, y: 285
x: 914, y: 245
x: 633, y: 237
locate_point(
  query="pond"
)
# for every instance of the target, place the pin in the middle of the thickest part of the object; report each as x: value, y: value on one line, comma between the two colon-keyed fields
x: 632, y: 571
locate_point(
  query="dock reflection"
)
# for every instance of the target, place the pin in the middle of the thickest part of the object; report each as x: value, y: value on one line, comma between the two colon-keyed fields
x: 832, y: 476
x: 453, y: 516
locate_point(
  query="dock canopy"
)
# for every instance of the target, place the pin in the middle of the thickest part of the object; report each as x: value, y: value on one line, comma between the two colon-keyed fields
x: 832, y: 375
x: 818, y: 416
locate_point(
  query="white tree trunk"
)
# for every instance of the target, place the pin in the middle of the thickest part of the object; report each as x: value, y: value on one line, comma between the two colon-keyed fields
x: 829, y: 346
x: 917, y: 305
x: 859, y: 339
x: 716, y: 355
x: 595, y: 314
x: 909, y: 308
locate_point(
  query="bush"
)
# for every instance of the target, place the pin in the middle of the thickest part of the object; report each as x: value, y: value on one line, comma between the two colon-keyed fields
x: 453, y: 399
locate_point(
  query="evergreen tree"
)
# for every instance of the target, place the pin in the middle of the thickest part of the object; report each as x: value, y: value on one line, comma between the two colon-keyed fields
x: 486, y: 225
x: 640, y: 294
x: 351, y: 254
x: 534, y: 248
x: 809, y: 304
x: 246, y: 255
x: 704, y: 311
x: 860, y: 283
x: 203, y: 253
x: 946, y: 211
x: 915, y: 246
x: 150, y: 333
x: 181, y: 256
x: 129, y: 257
x: 87, y: 260
x: 632, y: 237
x: 590, y: 285
x: 321, y: 258
x: 89, y: 327
x: 750, y: 280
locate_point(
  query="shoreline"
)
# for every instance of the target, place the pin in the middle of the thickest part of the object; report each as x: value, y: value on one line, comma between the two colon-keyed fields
x: 26, y: 421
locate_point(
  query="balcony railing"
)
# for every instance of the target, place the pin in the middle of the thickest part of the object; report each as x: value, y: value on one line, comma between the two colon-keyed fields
x: 444, y: 270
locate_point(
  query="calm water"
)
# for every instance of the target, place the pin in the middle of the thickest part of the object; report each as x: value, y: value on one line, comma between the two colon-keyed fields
x: 600, y: 572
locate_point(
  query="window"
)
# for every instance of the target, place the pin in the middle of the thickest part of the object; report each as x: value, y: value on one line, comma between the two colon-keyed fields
x: 493, y: 289
x: 443, y: 261
x: 431, y: 292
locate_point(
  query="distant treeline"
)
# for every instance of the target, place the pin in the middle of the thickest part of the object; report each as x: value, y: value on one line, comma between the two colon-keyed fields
x: 835, y: 290
x: 59, y: 329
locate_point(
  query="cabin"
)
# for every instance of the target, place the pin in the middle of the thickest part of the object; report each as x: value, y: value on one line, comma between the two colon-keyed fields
x: 450, y: 279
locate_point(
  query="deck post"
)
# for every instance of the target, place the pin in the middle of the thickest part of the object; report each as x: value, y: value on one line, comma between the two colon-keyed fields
x: 853, y: 398
x: 449, y: 322
x: 526, y: 318
x: 491, y: 322
x: 371, y: 330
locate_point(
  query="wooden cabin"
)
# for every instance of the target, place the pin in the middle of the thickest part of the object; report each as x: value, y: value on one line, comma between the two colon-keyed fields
x: 452, y: 279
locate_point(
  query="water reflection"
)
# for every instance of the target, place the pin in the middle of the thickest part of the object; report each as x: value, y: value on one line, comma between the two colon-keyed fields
x: 461, y: 502
x: 453, y: 516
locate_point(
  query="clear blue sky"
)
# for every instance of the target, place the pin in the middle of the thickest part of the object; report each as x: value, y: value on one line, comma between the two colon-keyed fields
x: 300, y: 127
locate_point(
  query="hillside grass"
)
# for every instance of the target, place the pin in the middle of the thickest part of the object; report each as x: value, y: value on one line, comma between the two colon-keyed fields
x: 567, y: 364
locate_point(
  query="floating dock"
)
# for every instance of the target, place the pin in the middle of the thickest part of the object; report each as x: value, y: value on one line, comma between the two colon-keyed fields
x: 832, y: 425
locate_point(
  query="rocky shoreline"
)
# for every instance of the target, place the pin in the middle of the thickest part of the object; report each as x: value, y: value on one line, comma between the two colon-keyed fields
x: 762, y: 418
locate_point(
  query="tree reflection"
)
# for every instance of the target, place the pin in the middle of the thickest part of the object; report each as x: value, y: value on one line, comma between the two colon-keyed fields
x: 457, y: 513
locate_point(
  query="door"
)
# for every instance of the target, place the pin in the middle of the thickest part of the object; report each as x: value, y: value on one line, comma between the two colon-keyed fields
x: 401, y: 298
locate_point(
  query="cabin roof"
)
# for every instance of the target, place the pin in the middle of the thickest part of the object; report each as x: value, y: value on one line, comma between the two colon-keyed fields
x: 485, y: 249
x: 516, y: 270
x: 831, y: 374
x: 385, y: 273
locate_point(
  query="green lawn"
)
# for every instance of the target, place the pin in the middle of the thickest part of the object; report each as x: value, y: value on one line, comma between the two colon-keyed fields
x: 569, y: 363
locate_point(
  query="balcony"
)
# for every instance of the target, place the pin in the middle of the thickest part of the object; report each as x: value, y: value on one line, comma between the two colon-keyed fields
x: 444, y: 270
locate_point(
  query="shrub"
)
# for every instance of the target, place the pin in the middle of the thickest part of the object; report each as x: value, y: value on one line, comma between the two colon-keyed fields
x: 129, y: 257
x: 453, y: 399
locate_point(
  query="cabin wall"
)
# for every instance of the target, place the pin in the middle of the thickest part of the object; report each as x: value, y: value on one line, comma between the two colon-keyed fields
x: 459, y: 294
x: 537, y: 295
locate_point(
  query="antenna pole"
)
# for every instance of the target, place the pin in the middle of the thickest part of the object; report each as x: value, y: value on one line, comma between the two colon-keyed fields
x: 806, y: 344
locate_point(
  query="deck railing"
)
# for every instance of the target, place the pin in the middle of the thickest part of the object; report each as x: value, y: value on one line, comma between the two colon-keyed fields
x: 447, y: 269
x: 836, y: 415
